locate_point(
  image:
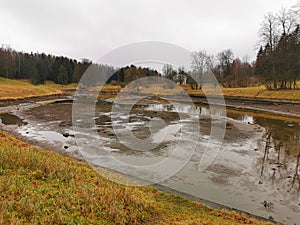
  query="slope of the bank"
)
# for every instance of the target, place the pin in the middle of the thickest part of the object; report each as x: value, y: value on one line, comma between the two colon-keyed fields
x: 11, y: 89
x: 254, y: 93
x: 20, y: 89
x: 41, y: 187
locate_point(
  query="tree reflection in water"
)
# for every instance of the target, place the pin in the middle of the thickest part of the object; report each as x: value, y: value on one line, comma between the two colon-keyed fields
x: 281, y: 156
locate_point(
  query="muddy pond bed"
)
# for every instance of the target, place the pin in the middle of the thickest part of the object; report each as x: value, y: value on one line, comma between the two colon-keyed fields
x: 256, y: 170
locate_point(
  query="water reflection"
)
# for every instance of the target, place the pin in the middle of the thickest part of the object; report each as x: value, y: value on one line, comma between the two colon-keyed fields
x: 280, y: 148
x: 279, y: 166
x: 283, y: 133
x: 182, y: 108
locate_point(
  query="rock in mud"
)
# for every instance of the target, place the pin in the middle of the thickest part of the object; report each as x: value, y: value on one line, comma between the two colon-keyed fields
x: 66, y: 134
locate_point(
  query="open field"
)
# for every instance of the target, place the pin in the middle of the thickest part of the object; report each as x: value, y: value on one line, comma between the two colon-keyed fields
x: 41, y: 187
x: 20, y: 89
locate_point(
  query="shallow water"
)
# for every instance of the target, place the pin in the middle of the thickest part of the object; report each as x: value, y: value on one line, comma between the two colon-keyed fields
x: 269, y: 168
x: 284, y: 132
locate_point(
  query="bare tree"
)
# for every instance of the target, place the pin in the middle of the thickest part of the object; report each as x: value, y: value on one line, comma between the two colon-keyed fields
x: 168, y: 71
x: 213, y: 66
x: 286, y: 18
x: 211, y: 61
x: 269, y: 31
x: 296, y: 11
x: 225, y: 59
x: 199, y: 64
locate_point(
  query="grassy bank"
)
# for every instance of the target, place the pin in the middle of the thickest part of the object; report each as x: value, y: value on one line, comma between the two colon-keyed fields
x: 253, y: 93
x: 19, y: 89
x: 248, y: 92
x: 41, y: 187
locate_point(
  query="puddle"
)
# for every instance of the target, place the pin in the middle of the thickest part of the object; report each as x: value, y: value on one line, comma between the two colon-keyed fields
x: 62, y: 141
x: 10, y: 119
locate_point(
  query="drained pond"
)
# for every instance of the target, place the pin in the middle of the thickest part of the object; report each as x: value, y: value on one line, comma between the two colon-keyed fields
x: 256, y: 169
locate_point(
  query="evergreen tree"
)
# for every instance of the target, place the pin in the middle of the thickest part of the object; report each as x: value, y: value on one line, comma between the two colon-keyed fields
x: 62, y: 77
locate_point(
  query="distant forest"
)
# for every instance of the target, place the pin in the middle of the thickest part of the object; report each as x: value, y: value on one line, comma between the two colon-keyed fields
x: 277, y: 65
x: 40, y: 67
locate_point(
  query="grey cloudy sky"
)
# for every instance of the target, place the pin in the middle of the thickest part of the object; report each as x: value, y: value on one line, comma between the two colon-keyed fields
x: 89, y: 29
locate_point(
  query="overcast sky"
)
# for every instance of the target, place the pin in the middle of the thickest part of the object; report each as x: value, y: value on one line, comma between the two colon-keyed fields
x: 91, y: 28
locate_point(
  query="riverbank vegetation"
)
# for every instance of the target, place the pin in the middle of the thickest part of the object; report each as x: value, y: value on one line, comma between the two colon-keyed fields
x: 41, y: 187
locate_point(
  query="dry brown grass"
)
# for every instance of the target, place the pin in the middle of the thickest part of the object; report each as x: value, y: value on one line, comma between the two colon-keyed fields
x: 249, y: 92
x: 20, y: 89
x: 41, y: 187
x: 252, y: 92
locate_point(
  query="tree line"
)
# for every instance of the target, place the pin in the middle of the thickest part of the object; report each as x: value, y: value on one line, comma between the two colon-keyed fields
x: 127, y: 74
x: 228, y: 70
x: 62, y: 70
x: 100, y: 74
x: 278, y: 59
x: 40, y: 67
